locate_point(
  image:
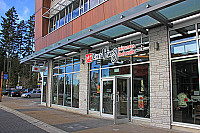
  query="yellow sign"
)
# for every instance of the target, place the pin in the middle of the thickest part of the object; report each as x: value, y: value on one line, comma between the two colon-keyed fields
x: 142, y: 85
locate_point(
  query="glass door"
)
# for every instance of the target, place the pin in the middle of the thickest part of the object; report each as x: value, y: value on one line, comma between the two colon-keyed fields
x: 122, y: 100
x: 115, y: 98
x: 107, y: 96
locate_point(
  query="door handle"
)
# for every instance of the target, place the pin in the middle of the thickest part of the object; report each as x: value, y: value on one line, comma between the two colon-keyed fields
x: 117, y: 97
x: 112, y: 96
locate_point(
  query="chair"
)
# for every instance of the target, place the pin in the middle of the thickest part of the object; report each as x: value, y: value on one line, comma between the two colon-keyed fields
x: 196, y: 113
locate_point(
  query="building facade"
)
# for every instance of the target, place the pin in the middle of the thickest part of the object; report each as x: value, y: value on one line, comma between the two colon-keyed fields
x: 128, y: 60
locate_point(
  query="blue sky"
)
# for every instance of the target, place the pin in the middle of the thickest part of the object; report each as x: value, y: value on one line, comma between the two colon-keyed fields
x: 25, y: 8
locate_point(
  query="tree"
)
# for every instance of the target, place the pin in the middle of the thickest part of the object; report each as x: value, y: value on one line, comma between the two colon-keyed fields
x: 16, y: 42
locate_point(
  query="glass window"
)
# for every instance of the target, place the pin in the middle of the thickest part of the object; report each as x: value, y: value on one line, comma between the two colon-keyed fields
x: 96, y: 64
x: 51, y: 25
x: 182, y: 49
x: 66, y: 18
x: 62, y: 17
x: 46, y: 72
x: 76, y: 67
x: 199, y: 30
x: 70, y: 13
x: 61, y: 70
x: 69, y: 69
x: 62, y: 63
x: 60, y: 89
x: 55, y: 71
x: 68, y: 61
x: 44, y: 89
x: 142, y: 50
x: 54, y: 90
x: 68, y: 81
x: 185, y: 90
x: 57, y: 21
x: 86, y: 6
x: 116, y: 71
x: 81, y: 6
x: 75, y: 91
x: 183, y: 34
x: 141, y: 91
x: 93, y: 3
x: 95, y: 90
x: 76, y: 9
x: 76, y: 59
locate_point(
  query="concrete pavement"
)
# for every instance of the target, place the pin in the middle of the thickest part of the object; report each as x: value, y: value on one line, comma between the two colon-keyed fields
x: 54, y: 120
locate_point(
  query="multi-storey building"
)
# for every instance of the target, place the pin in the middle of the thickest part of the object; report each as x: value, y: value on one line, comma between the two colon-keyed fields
x: 130, y: 60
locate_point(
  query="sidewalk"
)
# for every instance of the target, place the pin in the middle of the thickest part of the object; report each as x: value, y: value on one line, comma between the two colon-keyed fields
x: 53, y: 120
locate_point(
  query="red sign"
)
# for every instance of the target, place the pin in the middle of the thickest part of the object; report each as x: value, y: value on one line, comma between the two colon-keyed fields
x: 89, y: 58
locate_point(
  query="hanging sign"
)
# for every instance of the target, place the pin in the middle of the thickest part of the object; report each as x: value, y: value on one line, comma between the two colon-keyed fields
x: 38, y: 69
x: 114, y: 54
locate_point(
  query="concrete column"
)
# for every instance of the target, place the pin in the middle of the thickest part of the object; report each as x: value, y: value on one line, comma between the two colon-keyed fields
x: 49, y: 83
x: 83, y: 84
x: 159, y: 78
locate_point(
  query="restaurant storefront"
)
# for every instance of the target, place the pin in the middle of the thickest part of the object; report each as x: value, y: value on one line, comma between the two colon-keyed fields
x: 139, y: 66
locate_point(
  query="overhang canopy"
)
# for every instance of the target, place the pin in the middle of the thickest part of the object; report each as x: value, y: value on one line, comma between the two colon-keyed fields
x: 138, y: 19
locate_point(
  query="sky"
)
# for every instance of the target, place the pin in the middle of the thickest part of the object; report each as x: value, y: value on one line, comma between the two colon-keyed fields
x: 24, y: 8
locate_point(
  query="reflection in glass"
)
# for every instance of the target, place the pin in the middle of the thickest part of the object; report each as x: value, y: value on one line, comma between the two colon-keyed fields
x: 54, y: 90
x: 76, y: 67
x: 62, y: 17
x: 115, y: 71
x: 93, y: 3
x: 44, y: 89
x: 185, y: 91
x: 75, y: 91
x: 183, y: 34
x: 75, y: 9
x: 60, y: 89
x: 141, y: 91
x: 95, y: 90
x: 68, y: 69
x: 122, y: 98
x: 96, y: 64
x: 107, y: 97
x: 86, y: 6
x: 186, y: 48
x: 68, y: 81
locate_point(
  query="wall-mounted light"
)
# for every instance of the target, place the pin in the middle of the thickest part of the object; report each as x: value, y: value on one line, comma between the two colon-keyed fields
x: 156, y: 45
x: 83, y: 61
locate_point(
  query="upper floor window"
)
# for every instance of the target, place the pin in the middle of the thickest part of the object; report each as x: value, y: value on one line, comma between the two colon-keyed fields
x: 70, y: 12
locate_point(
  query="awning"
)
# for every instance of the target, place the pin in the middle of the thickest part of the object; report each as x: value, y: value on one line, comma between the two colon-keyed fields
x: 138, y: 19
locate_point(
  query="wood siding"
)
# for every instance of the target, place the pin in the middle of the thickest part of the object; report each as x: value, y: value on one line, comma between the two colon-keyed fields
x: 94, y: 16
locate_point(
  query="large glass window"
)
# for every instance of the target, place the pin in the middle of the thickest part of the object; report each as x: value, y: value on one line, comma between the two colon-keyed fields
x: 54, y: 90
x: 186, y: 93
x: 141, y: 91
x: 60, y: 89
x: 44, y: 89
x: 185, y: 75
x: 68, y: 82
x: 75, y: 91
x: 95, y: 90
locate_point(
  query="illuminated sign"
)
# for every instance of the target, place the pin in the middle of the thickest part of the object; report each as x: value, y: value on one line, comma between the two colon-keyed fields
x: 114, y: 54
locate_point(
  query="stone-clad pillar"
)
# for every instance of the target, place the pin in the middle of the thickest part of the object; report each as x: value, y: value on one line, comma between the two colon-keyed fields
x: 159, y: 78
x: 83, y: 84
x: 49, y: 83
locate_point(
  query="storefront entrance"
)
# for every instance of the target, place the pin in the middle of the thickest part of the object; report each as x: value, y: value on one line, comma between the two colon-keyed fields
x: 115, y: 98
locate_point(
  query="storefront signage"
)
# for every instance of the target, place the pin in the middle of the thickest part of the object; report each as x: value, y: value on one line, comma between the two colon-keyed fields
x: 114, y: 54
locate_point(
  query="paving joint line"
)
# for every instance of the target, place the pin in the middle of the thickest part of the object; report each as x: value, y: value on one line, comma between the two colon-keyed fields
x: 33, y: 121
